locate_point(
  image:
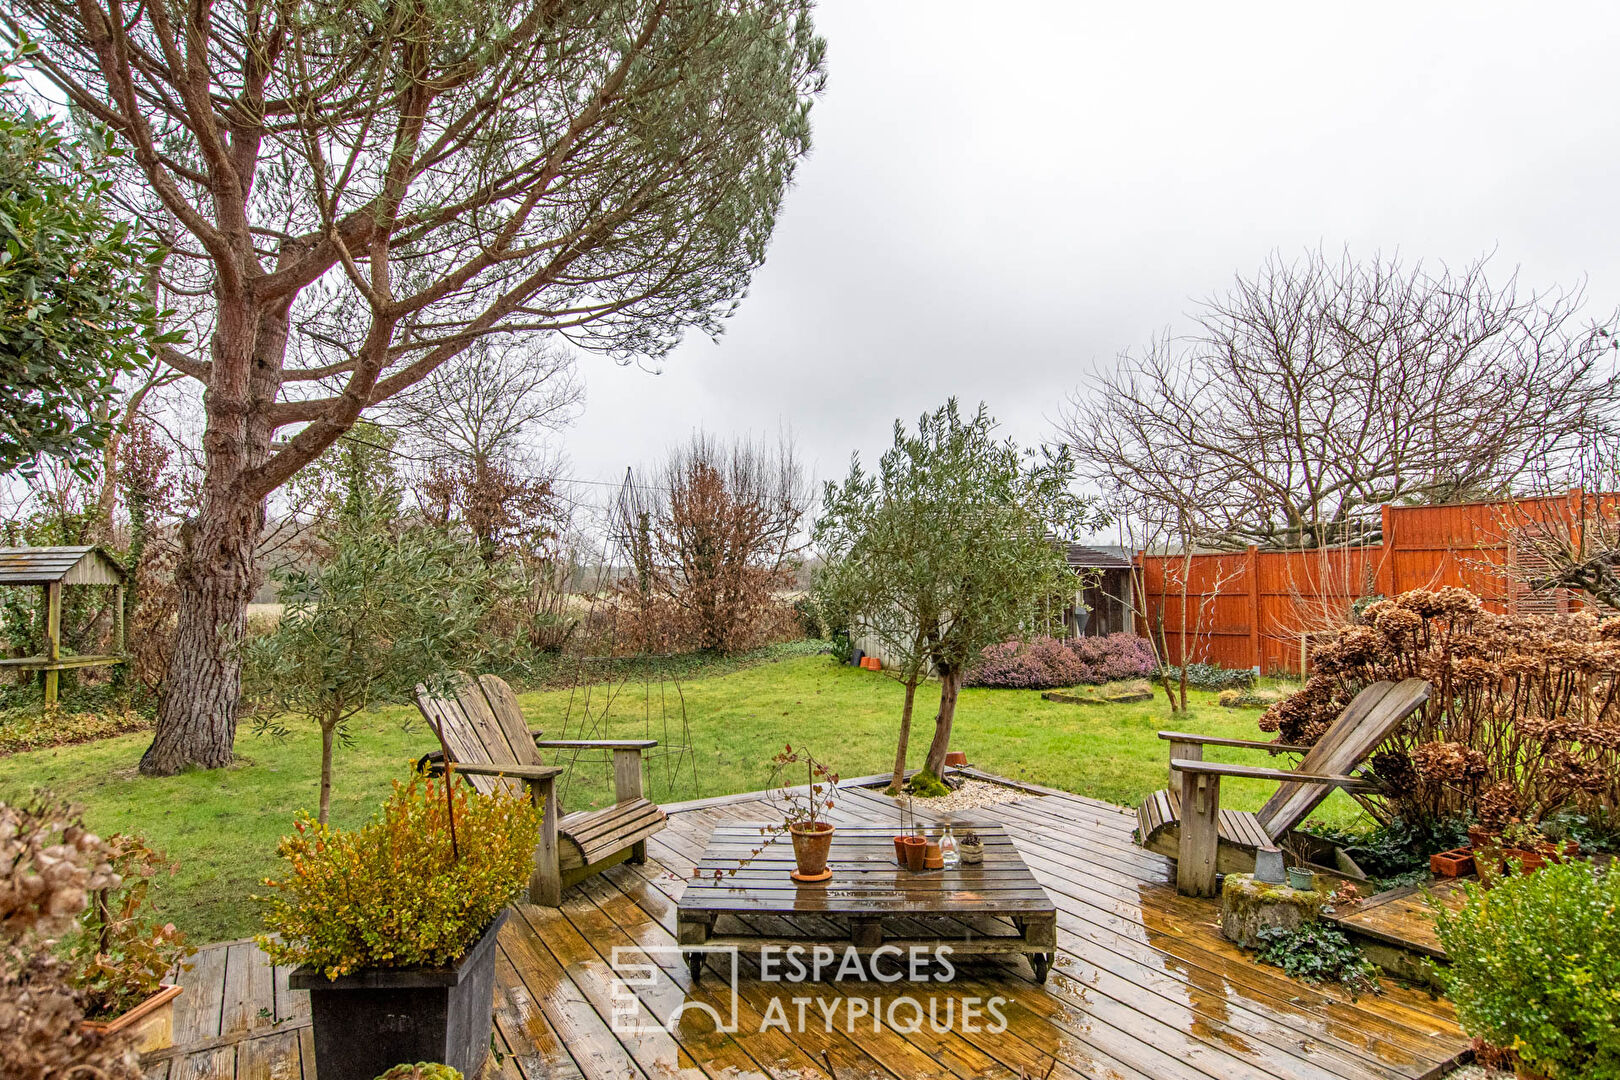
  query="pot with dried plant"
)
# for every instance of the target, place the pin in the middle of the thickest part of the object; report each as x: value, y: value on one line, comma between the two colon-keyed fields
x: 803, y: 810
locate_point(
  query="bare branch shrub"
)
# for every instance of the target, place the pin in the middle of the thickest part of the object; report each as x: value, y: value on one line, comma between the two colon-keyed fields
x: 713, y: 545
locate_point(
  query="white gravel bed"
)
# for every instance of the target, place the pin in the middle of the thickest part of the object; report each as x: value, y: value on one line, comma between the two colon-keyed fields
x: 972, y: 795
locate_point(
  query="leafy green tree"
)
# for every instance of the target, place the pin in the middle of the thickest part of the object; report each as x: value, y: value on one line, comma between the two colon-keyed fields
x: 73, y: 313
x: 946, y: 550
x: 388, y: 610
x: 359, y: 193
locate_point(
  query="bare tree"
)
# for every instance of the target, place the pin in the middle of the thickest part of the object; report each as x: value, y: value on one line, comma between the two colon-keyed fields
x: 352, y: 195
x: 1572, y: 541
x: 472, y: 429
x: 1320, y: 388
x: 490, y: 403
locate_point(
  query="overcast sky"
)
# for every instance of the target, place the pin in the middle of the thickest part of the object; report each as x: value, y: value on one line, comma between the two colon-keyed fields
x: 996, y: 206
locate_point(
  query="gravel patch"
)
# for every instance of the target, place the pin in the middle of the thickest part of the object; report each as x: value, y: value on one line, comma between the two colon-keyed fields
x: 972, y: 795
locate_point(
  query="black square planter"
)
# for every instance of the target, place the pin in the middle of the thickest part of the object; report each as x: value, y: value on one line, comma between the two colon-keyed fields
x: 377, y: 1018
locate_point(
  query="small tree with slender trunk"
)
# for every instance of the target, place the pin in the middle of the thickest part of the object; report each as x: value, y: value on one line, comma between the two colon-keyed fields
x: 351, y: 195
x: 387, y: 611
x: 947, y: 549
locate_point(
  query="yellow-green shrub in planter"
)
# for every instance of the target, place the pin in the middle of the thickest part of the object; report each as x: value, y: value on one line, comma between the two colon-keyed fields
x: 1535, y: 968
x: 393, y: 925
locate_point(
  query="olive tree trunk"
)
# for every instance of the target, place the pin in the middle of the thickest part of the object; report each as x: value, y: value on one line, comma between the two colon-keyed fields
x: 950, y: 682
x: 899, y: 781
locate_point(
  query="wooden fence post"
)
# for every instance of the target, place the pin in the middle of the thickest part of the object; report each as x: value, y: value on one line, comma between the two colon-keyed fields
x: 53, y: 638
x: 1255, y: 643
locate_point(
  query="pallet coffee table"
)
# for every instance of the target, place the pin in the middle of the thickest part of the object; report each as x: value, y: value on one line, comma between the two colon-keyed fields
x: 868, y: 889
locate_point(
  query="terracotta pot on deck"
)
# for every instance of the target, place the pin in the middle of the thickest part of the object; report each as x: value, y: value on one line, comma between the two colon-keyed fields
x: 915, y: 849
x: 956, y: 759
x: 811, y: 842
x: 150, y: 1024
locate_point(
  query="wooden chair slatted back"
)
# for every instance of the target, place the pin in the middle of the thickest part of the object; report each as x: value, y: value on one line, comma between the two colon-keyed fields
x: 503, y: 703
x: 472, y: 734
x: 1370, y: 718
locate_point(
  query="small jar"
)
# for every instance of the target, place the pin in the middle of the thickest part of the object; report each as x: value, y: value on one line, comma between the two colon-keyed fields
x: 950, y: 858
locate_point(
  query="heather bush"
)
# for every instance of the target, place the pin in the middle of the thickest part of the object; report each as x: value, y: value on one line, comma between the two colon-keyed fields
x: 1523, y: 718
x: 1113, y: 658
x: 1045, y: 663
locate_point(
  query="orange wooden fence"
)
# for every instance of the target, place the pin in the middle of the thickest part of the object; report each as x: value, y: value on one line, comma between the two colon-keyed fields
x: 1255, y: 608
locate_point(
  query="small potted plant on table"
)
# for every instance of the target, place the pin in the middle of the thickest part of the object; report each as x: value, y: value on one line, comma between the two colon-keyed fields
x: 119, y: 957
x: 393, y: 925
x: 802, y: 809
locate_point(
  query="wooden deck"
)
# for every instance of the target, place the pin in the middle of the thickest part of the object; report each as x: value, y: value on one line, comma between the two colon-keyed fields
x: 1144, y: 986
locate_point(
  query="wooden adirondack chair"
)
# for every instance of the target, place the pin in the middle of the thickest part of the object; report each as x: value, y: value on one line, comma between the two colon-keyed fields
x: 1187, y: 823
x: 492, y: 745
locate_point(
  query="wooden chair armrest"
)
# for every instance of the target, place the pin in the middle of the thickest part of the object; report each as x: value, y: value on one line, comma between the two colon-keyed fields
x: 1249, y: 772
x: 595, y: 744
x: 516, y: 772
x: 1242, y: 744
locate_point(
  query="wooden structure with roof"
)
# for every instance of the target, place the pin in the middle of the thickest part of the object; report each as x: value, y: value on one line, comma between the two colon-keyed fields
x: 51, y: 568
x: 1104, y: 605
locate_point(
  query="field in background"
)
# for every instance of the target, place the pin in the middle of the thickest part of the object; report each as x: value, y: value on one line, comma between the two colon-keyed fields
x: 223, y: 825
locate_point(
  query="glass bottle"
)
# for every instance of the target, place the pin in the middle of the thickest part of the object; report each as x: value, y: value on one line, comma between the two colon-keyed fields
x: 947, y: 849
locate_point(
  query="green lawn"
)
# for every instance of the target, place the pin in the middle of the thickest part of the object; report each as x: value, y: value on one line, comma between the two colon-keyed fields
x: 223, y: 825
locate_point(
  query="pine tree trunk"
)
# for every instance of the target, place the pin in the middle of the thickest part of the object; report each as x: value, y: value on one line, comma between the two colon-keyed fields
x: 216, y: 573
x: 950, y: 681
x: 215, y: 578
x: 905, y: 738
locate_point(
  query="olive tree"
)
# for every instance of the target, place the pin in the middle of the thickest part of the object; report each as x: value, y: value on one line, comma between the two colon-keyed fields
x: 388, y: 609
x: 353, y: 194
x: 947, y: 549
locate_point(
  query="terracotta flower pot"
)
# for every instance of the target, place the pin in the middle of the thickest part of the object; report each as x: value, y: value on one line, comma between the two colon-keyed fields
x: 810, y: 845
x: 916, y: 851
x: 1457, y: 862
x: 956, y: 759
x: 150, y: 1024
x: 1479, y: 836
x: 1529, y: 861
x: 933, y: 858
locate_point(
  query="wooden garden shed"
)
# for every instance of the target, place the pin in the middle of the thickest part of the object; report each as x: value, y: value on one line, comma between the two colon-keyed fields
x: 51, y: 568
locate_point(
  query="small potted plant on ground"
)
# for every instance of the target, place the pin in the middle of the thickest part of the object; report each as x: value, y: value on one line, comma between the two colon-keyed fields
x: 1532, y: 964
x: 1521, y: 844
x: 120, y: 956
x: 802, y: 809
x: 393, y: 925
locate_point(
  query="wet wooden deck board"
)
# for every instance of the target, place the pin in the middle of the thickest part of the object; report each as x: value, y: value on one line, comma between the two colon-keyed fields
x: 1400, y: 917
x: 1143, y: 986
